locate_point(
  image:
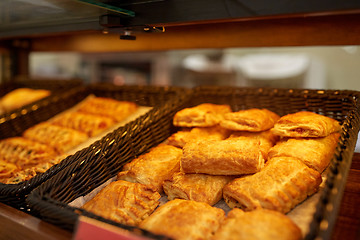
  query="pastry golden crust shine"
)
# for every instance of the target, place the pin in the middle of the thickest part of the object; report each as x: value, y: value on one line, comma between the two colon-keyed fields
x: 253, y: 120
x: 203, y: 115
x: 258, y: 224
x: 233, y: 156
x: 184, y: 220
x: 281, y: 185
x: 124, y: 202
x: 305, y: 124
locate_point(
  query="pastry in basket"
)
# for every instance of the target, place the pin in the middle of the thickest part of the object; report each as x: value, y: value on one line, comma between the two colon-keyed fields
x: 180, y: 138
x: 235, y: 156
x: 61, y: 138
x: 118, y: 110
x: 314, y: 152
x: 305, y: 124
x: 198, y: 187
x: 7, y: 170
x: 258, y: 224
x: 21, y: 97
x: 91, y: 124
x: 152, y: 168
x: 184, y: 220
x: 267, y: 139
x: 203, y: 115
x: 124, y: 202
x: 253, y: 120
x: 281, y: 185
x: 25, y: 152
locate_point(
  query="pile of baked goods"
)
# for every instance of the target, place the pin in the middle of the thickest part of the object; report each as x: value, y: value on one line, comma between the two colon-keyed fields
x: 46, y: 143
x: 20, y: 97
x: 262, y: 165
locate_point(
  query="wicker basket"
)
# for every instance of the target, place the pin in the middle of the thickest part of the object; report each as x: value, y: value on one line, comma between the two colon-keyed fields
x: 50, y: 200
x: 15, y: 194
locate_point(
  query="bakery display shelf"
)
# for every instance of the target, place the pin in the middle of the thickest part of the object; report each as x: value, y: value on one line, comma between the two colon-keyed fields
x: 56, y: 86
x: 149, y: 96
x: 50, y: 201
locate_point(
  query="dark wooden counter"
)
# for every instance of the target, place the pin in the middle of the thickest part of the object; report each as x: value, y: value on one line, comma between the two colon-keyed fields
x: 15, y: 224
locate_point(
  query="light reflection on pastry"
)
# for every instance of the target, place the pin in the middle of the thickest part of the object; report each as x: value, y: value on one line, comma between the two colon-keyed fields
x: 282, y: 184
x: 154, y: 167
x: 305, y: 124
x: 233, y: 156
x: 258, y: 224
x: 253, y: 120
x: 314, y: 152
x: 180, y: 138
x: 198, y: 187
x: 124, y: 202
x: 184, y: 220
x: 203, y: 115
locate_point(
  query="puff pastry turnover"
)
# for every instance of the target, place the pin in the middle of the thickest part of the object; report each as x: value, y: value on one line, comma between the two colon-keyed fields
x: 7, y: 170
x: 203, y: 115
x: 124, y: 202
x: 314, y: 152
x: 91, y: 124
x: 184, y: 220
x: 24, y: 152
x: 109, y: 107
x: 258, y: 224
x: 305, y: 124
x: 180, y: 138
x: 154, y: 167
x: 253, y: 120
x: 198, y: 187
x: 61, y: 138
x: 233, y: 156
x: 282, y: 184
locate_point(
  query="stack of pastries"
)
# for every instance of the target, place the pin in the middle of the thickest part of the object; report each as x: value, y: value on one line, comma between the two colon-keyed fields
x: 45, y: 144
x: 262, y: 165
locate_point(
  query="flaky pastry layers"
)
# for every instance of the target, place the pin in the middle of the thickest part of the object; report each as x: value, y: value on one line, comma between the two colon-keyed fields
x: 7, y: 170
x: 305, y: 124
x: 282, y: 184
x: 180, y: 138
x: 258, y: 224
x: 184, y: 220
x: 314, y: 152
x: 124, y: 202
x: 60, y: 138
x: 198, y: 187
x: 90, y: 124
x: 253, y: 120
x: 203, y: 115
x: 109, y: 107
x: 233, y: 156
x: 152, y: 168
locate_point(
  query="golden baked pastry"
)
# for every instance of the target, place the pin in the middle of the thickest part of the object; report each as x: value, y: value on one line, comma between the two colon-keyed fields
x: 198, y: 187
x: 24, y: 152
x: 21, y: 97
x: 7, y: 170
x: 233, y: 156
x: 154, y: 167
x: 91, y: 124
x: 314, y: 152
x: 180, y: 138
x: 124, y: 202
x: 61, y: 138
x: 253, y: 120
x: 267, y: 139
x: 282, y: 184
x: 305, y: 124
x: 203, y: 115
x: 258, y: 224
x: 118, y: 110
x: 184, y: 220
